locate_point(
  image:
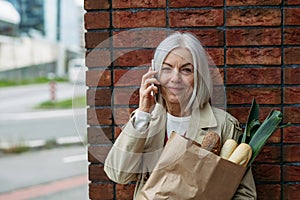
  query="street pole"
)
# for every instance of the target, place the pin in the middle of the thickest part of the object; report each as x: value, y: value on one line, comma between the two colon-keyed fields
x: 60, y: 65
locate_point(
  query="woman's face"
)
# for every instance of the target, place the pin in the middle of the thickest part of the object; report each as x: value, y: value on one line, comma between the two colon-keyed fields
x: 177, y: 77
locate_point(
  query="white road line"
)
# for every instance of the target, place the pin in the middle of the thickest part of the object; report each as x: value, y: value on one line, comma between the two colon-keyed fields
x: 76, y: 158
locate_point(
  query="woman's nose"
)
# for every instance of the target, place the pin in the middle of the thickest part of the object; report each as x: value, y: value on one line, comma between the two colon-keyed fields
x: 175, y: 76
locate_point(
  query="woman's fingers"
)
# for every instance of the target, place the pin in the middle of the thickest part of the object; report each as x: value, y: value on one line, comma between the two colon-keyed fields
x: 148, y: 87
x: 151, y: 81
x: 151, y: 88
x: 149, y: 74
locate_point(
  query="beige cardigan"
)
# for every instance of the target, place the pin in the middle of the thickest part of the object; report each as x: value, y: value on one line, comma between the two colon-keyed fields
x: 134, y: 154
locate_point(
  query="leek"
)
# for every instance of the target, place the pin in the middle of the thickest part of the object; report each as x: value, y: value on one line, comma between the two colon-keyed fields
x: 265, y: 130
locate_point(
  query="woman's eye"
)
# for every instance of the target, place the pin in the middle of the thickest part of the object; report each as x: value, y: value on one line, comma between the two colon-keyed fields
x: 187, y: 70
x: 166, y: 69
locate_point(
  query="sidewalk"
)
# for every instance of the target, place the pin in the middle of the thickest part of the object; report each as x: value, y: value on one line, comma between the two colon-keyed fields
x: 54, y: 165
x: 70, y: 188
x: 59, y: 173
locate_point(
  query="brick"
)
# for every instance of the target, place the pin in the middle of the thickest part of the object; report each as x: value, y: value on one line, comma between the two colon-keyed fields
x: 126, y: 96
x: 133, y: 58
x: 97, y: 40
x: 118, y: 131
x: 128, y: 19
x: 195, y: 3
x: 128, y: 77
x: 292, y: 75
x: 138, y: 4
x: 195, y: 18
x: 145, y: 38
x: 211, y: 37
x: 291, y: 173
x: 263, y: 56
x: 268, y: 191
x: 101, y: 191
x: 99, y: 97
x: 264, y: 75
x: 291, y: 153
x: 92, y: 4
x: 253, y: 17
x: 275, y: 137
x: 255, y: 36
x: 98, y: 78
x: 96, y: 173
x: 242, y: 113
x: 292, y: 16
x: 92, y: 20
x: 98, y: 154
x: 292, y: 36
x: 259, y: 43
x: 122, y: 115
x: 245, y: 95
x: 292, y: 114
x: 291, y: 95
x: 125, y: 192
x: 217, y: 75
x: 291, y: 191
x: 100, y: 135
x: 99, y: 116
x: 218, y: 98
x: 291, y: 134
x: 252, y: 2
x: 292, y: 2
x: 266, y: 172
x: 217, y: 55
x: 98, y: 58
x: 269, y: 154
x: 291, y: 55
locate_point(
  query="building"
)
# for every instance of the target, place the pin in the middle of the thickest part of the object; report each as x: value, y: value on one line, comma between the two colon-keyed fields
x: 42, y: 39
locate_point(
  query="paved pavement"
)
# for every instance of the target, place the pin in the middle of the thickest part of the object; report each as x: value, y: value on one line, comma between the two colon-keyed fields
x: 45, y: 174
x: 59, y: 173
x: 22, y: 99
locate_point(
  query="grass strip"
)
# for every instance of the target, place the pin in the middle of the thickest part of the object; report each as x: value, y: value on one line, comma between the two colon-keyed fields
x: 77, y: 102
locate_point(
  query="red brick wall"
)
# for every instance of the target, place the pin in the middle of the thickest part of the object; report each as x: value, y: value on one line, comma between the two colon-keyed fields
x: 256, y: 45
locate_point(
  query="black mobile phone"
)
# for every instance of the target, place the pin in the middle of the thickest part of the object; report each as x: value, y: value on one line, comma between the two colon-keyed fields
x: 152, y: 93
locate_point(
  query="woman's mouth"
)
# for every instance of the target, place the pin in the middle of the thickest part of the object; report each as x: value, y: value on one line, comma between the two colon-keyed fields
x: 175, y: 90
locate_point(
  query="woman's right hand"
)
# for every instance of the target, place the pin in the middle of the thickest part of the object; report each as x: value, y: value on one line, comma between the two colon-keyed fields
x: 148, y: 85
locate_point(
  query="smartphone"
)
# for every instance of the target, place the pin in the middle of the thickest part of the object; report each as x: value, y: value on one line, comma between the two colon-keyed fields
x: 152, y: 93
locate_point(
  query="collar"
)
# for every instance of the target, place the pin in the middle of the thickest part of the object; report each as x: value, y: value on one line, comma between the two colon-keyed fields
x: 204, y: 117
x: 201, y: 118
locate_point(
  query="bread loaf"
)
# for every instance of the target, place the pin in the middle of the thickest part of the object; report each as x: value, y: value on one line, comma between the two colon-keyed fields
x: 211, y: 142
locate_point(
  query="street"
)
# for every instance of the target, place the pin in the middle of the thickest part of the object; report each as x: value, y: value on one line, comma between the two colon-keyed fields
x: 23, y: 98
x: 47, y: 125
x: 43, y: 167
x: 20, y: 121
x: 22, y: 175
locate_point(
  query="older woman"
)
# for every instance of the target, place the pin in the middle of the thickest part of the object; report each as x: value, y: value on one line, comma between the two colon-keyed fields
x: 182, y: 87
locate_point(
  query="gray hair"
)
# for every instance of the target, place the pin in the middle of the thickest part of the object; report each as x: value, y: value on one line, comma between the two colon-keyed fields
x: 202, y: 81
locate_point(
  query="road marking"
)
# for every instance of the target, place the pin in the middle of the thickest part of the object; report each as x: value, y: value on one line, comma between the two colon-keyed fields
x: 76, y: 158
x: 69, y: 140
x: 29, y: 144
x: 46, y: 189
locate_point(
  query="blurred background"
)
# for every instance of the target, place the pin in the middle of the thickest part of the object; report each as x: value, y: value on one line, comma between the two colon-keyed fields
x: 42, y: 100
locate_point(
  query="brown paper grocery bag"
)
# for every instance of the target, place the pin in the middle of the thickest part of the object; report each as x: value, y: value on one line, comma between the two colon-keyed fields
x: 186, y: 171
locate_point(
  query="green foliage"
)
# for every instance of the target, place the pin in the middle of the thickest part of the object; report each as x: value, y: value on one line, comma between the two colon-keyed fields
x: 64, y: 104
x: 40, y: 80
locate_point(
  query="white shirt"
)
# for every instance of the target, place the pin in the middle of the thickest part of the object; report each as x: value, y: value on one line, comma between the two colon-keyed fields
x: 177, y: 124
